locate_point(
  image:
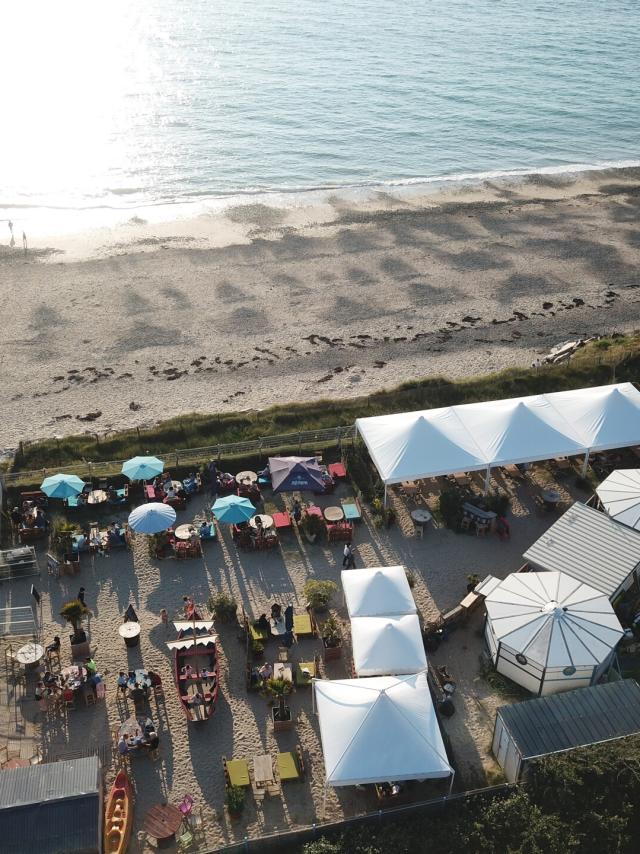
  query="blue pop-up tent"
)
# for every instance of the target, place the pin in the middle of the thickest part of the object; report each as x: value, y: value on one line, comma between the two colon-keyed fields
x: 291, y: 474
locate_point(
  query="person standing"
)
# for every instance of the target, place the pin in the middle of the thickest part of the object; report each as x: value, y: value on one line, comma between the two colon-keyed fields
x: 24, y: 243
x: 348, y: 561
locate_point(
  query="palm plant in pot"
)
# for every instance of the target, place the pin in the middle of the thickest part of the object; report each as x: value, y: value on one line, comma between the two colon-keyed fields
x: 74, y: 612
x: 312, y: 527
x: 279, y: 689
x: 331, y: 639
x: 235, y: 800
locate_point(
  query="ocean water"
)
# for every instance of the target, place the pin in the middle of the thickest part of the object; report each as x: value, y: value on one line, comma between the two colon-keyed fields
x: 153, y: 102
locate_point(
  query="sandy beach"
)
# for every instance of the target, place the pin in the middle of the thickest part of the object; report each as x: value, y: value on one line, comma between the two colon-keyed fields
x: 257, y: 304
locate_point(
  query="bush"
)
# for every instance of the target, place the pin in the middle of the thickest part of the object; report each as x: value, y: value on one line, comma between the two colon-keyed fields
x: 318, y: 592
x: 313, y: 525
x: 61, y: 536
x: 450, y: 506
x: 331, y: 634
x: 235, y: 799
x: 223, y: 607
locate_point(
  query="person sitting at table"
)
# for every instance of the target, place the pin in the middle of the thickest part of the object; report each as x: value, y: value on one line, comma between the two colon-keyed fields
x: 40, y: 520
x: 123, y: 747
x: 39, y: 691
x: 194, y: 539
x: 181, y: 493
x: 266, y: 671
x: 502, y: 528
x: 91, y: 666
x: 49, y: 679
x: 112, y: 492
x: 205, y: 529
x: 197, y: 699
x: 186, y: 671
x: 276, y: 612
x: 114, y: 535
x: 16, y: 518
x: 154, y: 678
x: 54, y: 646
x: 123, y: 681
x: 153, y: 742
x: 263, y: 623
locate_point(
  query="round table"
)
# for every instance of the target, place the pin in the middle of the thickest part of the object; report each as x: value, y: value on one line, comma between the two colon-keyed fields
x: 16, y: 762
x: 75, y: 677
x: 134, y: 726
x: 130, y: 632
x: 141, y: 680
x: 421, y: 516
x: 267, y: 521
x: 98, y: 496
x: 333, y: 514
x: 30, y: 654
x: 246, y: 477
x: 163, y: 821
x: 183, y: 532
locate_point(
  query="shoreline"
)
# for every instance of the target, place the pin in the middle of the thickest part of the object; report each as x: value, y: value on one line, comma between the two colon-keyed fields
x: 263, y: 305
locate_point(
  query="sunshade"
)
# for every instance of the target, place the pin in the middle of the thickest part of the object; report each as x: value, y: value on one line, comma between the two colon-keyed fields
x: 188, y: 642
x: 62, y: 485
x: 152, y: 518
x: 384, y: 646
x: 233, y: 509
x: 620, y: 496
x: 296, y: 474
x: 384, y: 728
x: 142, y: 468
x: 377, y: 591
x: 186, y: 625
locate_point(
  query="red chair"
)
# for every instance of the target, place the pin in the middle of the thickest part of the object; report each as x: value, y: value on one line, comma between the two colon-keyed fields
x: 150, y: 493
x: 281, y: 520
x: 337, y: 470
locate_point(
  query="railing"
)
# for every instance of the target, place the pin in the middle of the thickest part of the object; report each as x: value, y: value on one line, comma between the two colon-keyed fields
x: 188, y: 456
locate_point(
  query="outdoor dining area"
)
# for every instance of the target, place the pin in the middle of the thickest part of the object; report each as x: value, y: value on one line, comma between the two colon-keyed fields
x: 59, y: 691
x: 264, y: 773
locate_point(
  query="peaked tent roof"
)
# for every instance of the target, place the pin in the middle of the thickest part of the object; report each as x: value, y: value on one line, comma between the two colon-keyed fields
x: 376, y: 729
x: 290, y: 474
x: 387, y: 645
x: 620, y: 496
x: 377, y: 591
x: 553, y: 619
x: 475, y: 436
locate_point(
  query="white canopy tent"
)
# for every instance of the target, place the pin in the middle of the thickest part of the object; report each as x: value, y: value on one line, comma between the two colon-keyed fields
x: 477, y: 436
x: 387, y: 645
x: 549, y: 632
x: 380, y: 729
x: 620, y: 496
x: 377, y: 591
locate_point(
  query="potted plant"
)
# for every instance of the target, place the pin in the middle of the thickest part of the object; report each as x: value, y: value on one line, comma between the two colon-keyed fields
x: 318, y: 592
x: 224, y: 607
x: 74, y: 612
x: 279, y: 689
x: 61, y: 544
x: 312, y: 527
x: 331, y: 639
x: 235, y: 801
x: 257, y: 649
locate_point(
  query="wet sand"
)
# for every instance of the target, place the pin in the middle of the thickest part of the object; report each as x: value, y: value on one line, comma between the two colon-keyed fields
x: 259, y: 305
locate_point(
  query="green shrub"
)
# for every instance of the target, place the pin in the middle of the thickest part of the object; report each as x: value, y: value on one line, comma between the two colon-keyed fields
x: 331, y: 633
x: 498, y: 502
x: 450, y: 506
x: 223, y: 607
x: 317, y: 592
x: 235, y: 799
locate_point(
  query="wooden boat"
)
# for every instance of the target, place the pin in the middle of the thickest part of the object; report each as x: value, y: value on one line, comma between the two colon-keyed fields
x: 196, y: 668
x: 118, y: 815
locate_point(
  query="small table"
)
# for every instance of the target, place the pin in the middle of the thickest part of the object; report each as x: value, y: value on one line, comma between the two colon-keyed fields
x: 183, y: 532
x: 140, y: 681
x: 98, y: 496
x: 163, y: 822
x: 130, y: 632
x: 134, y: 726
x: 267, y: 521
x: 283, y: 670
x: 246, y: 477
x: 421, y: 516
x: 551, y: 498
x: 30, y: 654
x: 263, y: 768
x: 333, y: 514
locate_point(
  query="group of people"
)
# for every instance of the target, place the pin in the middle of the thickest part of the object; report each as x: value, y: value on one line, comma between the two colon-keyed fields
x: 63, y: 685
x: 30, y: 517
x: 167, y: 490
x: 143, y: 737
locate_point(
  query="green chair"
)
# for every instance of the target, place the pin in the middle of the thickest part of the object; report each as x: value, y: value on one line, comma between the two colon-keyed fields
x: 185, y: 841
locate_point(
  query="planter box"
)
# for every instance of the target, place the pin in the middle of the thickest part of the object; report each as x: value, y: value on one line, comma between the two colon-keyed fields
x: 282, y: 726
x: 332, y: 653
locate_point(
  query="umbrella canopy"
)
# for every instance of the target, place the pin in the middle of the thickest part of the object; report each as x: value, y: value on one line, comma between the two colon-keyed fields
x: 233, y: 509
x: 152, y: 518
x: 547, y: 631
x: 384, y: 646
x: 296, y: 474
x: 62, y: 485
x: 620, y: 496
x: 384, y: 728
x: 142, y: 468
x: 378, y: 592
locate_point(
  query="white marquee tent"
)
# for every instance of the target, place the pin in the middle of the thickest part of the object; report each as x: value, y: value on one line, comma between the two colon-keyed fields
x: 620, y: 496
x: 377, y: 591
x: 380, y: 729
x: 549, y: 632
x: 387, y: 645
x: 477, y: 436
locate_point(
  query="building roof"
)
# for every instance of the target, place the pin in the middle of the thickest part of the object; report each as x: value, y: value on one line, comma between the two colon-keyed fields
x: 573, y: 718
x: 51, y: 807
x: 589, y: 546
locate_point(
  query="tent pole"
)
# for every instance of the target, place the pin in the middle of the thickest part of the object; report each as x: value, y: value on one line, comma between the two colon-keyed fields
x: 313, y: 696
x: 324, y: 801
x: 487, y: 480
x: 385, y: 495
x: 585, y: 465
x: 453, y: 774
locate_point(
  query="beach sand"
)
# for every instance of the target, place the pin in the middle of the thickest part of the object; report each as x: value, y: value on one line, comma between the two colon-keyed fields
x: 258, y: 304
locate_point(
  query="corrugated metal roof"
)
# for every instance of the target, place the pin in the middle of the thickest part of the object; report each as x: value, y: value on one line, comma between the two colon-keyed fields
x: 589, y: 546
x: 51, y: 808
x: 573, y: 718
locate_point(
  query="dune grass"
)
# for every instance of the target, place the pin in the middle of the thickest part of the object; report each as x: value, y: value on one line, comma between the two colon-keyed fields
x: 608, y: 360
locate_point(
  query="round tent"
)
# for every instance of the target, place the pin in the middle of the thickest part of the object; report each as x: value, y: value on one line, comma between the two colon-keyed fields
x: 549, y: 632
x: 379, y: 729
x: 620, y: 496
x: 387, y: 645
x: 377, y: 591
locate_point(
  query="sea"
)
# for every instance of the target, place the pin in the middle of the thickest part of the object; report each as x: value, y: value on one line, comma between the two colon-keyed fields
x: 131, y: 106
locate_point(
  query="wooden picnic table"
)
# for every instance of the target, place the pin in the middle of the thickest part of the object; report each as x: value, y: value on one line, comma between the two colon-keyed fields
x: 283, y: 670
x: 97, y: 496
x: 263, y: 768
x: 163, y: 821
